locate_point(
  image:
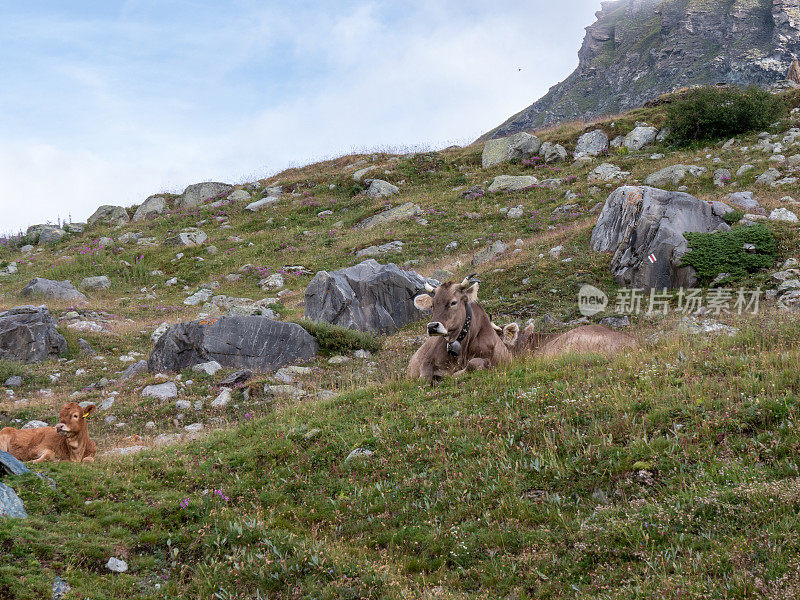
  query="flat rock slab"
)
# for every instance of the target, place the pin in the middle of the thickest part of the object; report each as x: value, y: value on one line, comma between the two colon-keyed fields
x: 246, y: 342
x: 404, y: 211
x: 28, y: 334
x: 10, y: 504
x: 56, y: 290
x: 366, y: 297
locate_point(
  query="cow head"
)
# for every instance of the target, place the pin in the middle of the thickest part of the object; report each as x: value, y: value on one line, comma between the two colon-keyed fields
x: 449, y: 304
x: 72, y: 419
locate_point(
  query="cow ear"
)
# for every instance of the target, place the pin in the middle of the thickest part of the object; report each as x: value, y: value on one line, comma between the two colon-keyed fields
x: 423, y: 302
x: 472, y: 293
x: 88, y: 410
x: 510, y: 334
x: 529, y: 329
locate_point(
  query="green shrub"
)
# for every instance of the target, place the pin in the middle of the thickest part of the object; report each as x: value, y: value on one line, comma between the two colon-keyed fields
x: 711, y: 113
x: 733, y: 217
x: 723, y: 252
x: 333, y: 339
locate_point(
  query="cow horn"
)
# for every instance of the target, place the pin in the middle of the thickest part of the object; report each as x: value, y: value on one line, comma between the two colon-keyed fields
x: 465, y: 283
x: 429, y: 288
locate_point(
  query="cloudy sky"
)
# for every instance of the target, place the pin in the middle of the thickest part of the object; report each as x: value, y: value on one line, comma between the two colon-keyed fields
x: 107, y: 102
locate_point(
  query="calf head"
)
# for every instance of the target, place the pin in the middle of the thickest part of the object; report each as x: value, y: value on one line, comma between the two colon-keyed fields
x: 449, y: 303
x: 72, y: 419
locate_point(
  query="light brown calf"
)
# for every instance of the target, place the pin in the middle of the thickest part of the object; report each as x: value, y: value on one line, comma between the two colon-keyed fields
x: 68, y: 440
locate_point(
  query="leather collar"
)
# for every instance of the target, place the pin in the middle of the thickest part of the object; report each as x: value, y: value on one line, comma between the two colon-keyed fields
x: 454, y: 347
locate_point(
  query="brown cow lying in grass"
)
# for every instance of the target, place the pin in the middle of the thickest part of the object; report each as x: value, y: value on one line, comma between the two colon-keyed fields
x: 68, y: 440
x: 460, y: 336
x: 586, y: 339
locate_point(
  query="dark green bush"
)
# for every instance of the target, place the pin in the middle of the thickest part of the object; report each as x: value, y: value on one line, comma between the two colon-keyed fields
x: 723, y: 252
x: 334, y: 339
x: 711, y: 113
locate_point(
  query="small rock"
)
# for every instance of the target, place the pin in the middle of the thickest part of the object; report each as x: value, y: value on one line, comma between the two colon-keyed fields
x: 117, y: 565
x: 34, y: 424
x: 236, y: 378
x: 194, y: 427
x: 359, y: 453
x: 14, y: 382
x: 338, y: 360
x: 223, y: 399
x: 161, y: 391
x: 783, y: 214
x: 209, y: 368
x: 60, y: 588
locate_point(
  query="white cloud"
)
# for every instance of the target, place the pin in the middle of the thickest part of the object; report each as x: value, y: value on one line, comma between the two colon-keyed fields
x: 267, y: 89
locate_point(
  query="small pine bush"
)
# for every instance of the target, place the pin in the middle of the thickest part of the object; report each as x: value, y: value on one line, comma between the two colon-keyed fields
x: 713, y: 253
x: 711, y: 113
x: 333, y: 339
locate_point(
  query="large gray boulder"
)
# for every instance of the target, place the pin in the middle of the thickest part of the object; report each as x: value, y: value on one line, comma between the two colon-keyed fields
x: 56, y: 290
x: 256, y: 343
x: 518, y: 146
x: 200, y: 193
x: 150, y: 208
x: 109, y: 215
x: 637, y: 222
x: 11, y: 506
x: 592, y: 143
x: 28, y: 334
x: 551, y: 152
x: 367, y: 297
x: 187, y: 238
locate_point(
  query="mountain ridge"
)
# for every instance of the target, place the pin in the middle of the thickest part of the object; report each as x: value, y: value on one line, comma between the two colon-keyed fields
x: 637, y: 50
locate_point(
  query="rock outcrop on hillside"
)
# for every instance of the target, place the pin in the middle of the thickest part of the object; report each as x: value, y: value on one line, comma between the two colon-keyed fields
x: 640, y: 49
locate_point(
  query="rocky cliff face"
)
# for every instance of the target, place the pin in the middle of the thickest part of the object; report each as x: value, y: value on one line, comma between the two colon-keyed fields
x: 639, y: 49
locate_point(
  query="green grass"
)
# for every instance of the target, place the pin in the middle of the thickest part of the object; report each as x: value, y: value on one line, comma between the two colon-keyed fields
x: 574, y: 479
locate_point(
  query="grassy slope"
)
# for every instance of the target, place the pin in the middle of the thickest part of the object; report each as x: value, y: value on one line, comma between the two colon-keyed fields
x: 666, y: 473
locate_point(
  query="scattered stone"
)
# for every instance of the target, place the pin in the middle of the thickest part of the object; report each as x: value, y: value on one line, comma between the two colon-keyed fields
x: 768, y: 177
x: 378, y: 188
x: 133, y: 371
x: 35, y: 424
x: 673, y: 175
x: 512, y: 183
x: 161, y: 391
x: 238, y: 196
x: 209, y: 368
x: 693, y: 325
x: 236, y: 378
x: 746, y: 202
x: 55, y: 290
x: 51, y: 235
x: 489, y: 253
x: 515, y: 213
x: 639, y: 138
x: 223, y: 399
x: 519, y: 146
x: 109, y: 215
x: 783, y: 214
x: 94, y: 284
x: 10, y: 465
x: 338, y: 360
x: 187, y: 238
x: 13, y: 382
x: 388, y: 248
x: 284, y: 391
x: 553, y: 152
x: 606, y: 172
x: 150, y: 208
x: 592, y: 143
x: 117, y: 565
x: 200, y: 193
x: 555, y: 252
x: 359, y: 453
x: 404, y: 211
x: 261, y: 204
x: 616, y: 322
x: 362, y: 354
x: 721, y: 177
x: 60, y: 588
